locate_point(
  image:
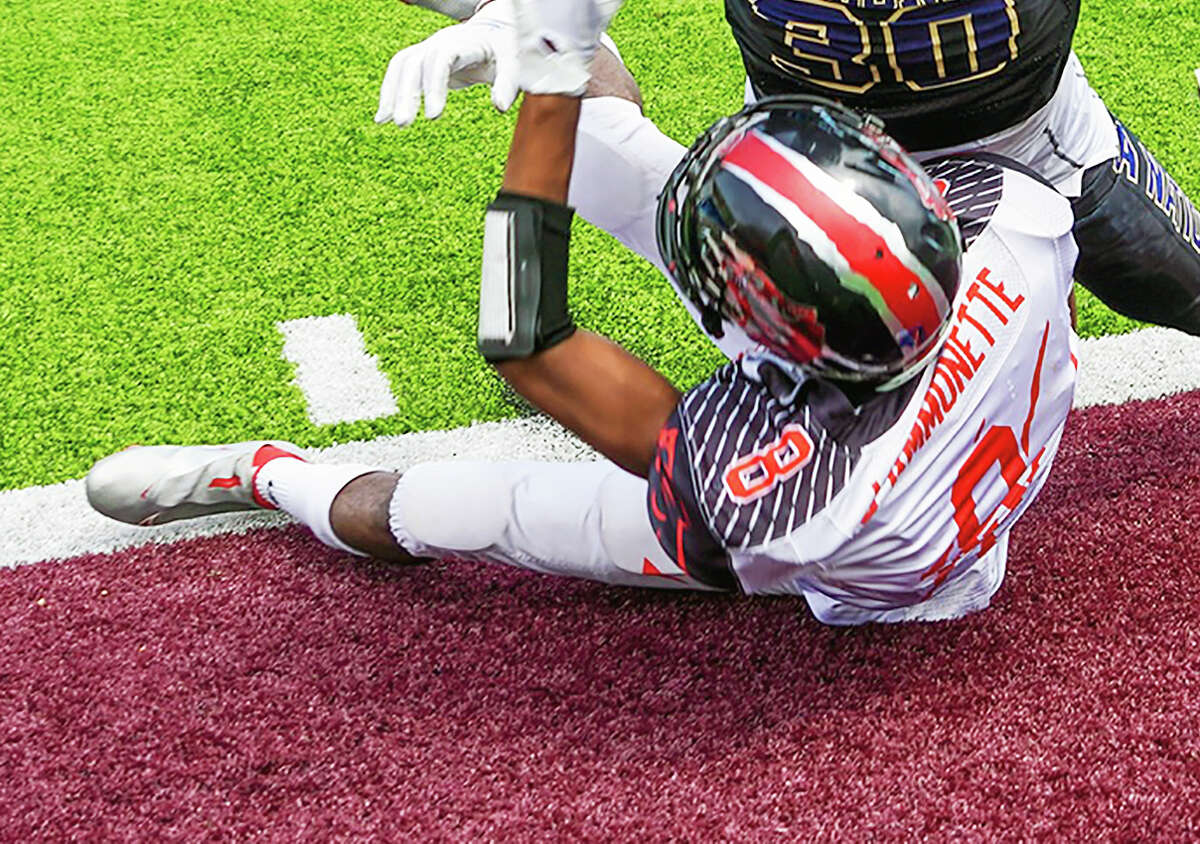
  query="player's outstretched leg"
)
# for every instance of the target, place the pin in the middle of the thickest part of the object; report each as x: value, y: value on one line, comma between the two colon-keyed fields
x: 1139, y: 239
x: 585, y: 520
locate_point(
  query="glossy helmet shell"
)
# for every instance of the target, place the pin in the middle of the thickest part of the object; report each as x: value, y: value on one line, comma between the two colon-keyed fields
x: 802, y: 222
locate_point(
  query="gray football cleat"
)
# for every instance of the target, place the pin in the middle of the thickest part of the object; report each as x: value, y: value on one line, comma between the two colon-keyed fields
x: 153, y: 485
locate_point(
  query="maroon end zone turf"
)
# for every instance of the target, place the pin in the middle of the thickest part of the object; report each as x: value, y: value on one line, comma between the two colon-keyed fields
x: 239, y: 686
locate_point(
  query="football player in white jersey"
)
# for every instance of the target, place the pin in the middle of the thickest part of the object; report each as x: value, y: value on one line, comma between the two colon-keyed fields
x: 902, y: 376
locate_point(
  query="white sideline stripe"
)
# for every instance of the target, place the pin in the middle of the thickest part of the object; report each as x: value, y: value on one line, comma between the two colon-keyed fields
x: 1146, y: 364
x: 55, y: 522
x: 339, y: 380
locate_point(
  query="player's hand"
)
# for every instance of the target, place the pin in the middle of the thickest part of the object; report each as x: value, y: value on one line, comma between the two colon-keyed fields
x: 481, y: 50
x: 556, y: 40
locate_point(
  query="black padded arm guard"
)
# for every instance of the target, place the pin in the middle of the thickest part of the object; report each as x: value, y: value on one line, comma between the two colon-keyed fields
x: 523, y: 292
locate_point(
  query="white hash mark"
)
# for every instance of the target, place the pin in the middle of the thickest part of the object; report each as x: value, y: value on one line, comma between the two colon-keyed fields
x: 339, y: 380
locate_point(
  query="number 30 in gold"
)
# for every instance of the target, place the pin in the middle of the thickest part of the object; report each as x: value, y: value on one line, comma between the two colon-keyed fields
x: 836, y: 50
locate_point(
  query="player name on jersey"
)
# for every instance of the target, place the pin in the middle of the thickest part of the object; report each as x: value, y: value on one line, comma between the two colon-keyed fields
x: 986, y: 305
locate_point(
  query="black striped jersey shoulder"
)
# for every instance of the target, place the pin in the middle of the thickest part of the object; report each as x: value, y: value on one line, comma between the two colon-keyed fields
x: 750, y: 455
x: 973, y: 187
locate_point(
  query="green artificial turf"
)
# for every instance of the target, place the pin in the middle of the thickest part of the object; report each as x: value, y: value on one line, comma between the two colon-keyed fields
x: 179, y: 177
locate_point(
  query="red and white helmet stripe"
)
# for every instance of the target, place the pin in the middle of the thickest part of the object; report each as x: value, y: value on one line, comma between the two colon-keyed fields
x: 866, y: 250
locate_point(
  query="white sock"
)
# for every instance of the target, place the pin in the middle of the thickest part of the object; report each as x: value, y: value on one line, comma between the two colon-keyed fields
x: 305, y: 491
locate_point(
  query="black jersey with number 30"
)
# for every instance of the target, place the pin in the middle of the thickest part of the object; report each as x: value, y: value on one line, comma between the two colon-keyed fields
x: 938, y: 72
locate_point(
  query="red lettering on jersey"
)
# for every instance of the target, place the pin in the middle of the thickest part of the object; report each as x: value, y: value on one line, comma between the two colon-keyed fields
x: 998, y: 289
x: 956, y: 357
x: 655, y: 509
x: 670, y: 509
x: 753, y: 476
x: 975, y: 292
x: 936, y: 387
x: 962, y: 348
x: 964, y: 313
x: 667, y: 438
x: 931, y: 413
x: 997, y: 446
x: 950, y: 384
x: 956, y: 366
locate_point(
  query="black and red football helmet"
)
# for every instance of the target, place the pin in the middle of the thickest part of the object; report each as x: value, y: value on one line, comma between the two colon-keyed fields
x: 802, y: 222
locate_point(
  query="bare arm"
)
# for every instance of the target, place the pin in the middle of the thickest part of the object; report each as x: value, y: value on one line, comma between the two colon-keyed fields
x: 612, y: 400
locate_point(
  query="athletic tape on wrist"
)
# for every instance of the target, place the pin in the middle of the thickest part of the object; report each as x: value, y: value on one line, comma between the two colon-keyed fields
x: 523, y: 289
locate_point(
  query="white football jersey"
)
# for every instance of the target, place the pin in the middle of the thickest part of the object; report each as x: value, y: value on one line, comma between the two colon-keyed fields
x: 899, y: 509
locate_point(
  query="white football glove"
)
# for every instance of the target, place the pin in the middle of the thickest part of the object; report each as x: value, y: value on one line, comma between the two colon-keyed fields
x: 480, y: 50
x: 556, y: 40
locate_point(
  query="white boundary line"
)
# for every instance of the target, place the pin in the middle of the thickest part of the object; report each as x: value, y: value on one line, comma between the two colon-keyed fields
x: 55, y: 522
x: 1146, y: 364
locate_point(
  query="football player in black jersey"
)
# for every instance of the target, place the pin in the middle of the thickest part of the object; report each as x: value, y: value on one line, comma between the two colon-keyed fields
x: 938, y: 74
x: 945, y: 76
